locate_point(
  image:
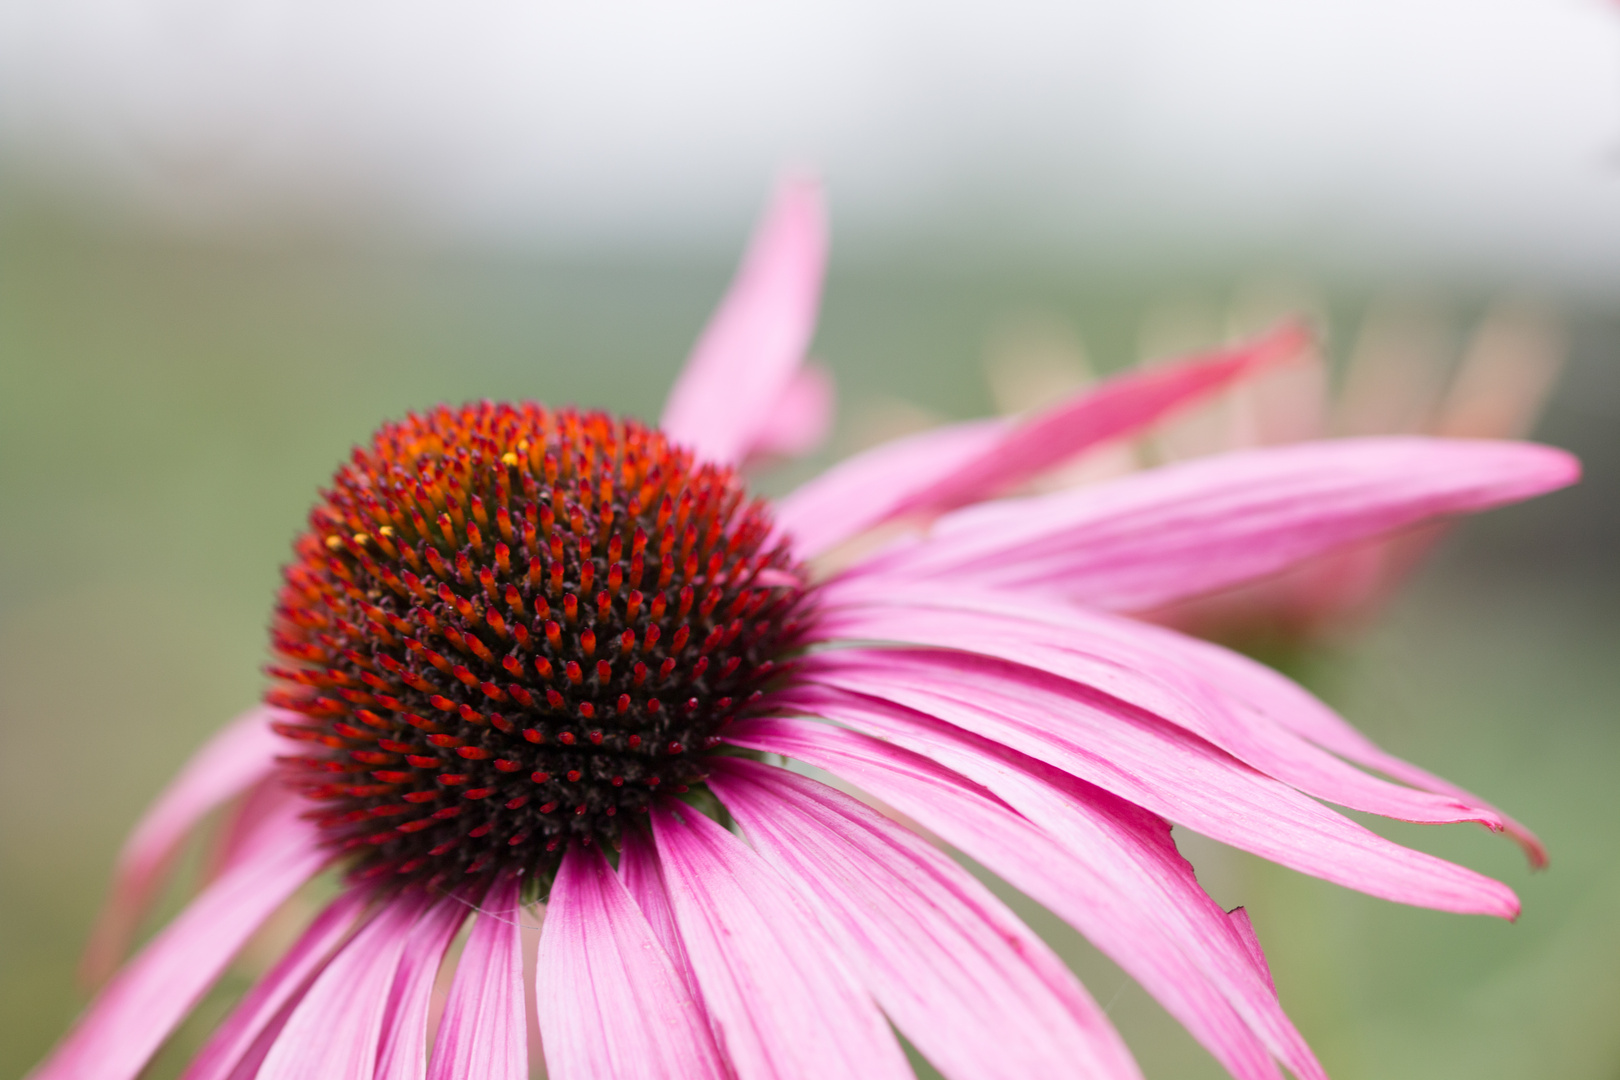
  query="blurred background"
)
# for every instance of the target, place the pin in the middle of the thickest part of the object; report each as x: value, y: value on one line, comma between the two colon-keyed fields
x: 235, y: 237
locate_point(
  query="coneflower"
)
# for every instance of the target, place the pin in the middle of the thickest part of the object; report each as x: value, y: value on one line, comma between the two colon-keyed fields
x: 540, y: 656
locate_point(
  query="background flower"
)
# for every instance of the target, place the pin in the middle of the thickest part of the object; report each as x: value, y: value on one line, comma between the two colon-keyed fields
x: 1402, y: 373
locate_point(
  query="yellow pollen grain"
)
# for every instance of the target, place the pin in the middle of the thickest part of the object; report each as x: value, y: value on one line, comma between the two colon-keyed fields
x: 334, y: 542
x: 509, y: 459
x: 362, y: 538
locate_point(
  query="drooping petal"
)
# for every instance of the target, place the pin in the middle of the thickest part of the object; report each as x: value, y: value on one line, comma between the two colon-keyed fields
x: 802, y: 416
x: 484, y: 1033
x: 782, y: 1004
x: 1245, y: 928
x: 1197, y: 787
x: 1284, y: 702
x: 937, y: 471
x: 970, y: 985
x: 279, y: 986
x: 1182, y: 530
x: 611, y: 1002
x: 1139, y: 664
x: 403, y: 1052
x: 333, y: 1031
x: 137, y: 1010
x: 1103, y: 865
x: 722, y: 404
x: 238, y: 756
x: 239, y: 835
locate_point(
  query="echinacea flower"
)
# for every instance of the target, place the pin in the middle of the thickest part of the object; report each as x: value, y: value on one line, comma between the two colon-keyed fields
x: 530, y: 656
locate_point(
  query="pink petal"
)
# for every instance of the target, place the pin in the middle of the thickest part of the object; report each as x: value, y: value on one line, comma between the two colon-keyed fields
x: 972, y: 987
x: 403, y: 1054
x: 1141, y: 759
x: 333, y: 1031
x: 1281, y: 701
x: 1106, y: 867
x: 1251, y: 940
x: 1181, y: 530
x: 644, y: 880
x: 484, y: 1031
x: 802, y: 417
x: 722, y: 404
x: 937, y: 471
x: 234, y: 759
x: 611, y: 1002
x: 1141, y: 665
x: 138, y: 1009
x: 284, y: 983
x: 1115, y: 407
x: 864, y: 490
x: 239, y: 836
x: 781, y: 1003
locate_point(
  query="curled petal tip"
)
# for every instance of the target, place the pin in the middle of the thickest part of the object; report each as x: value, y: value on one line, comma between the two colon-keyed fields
x: 1534, y: 850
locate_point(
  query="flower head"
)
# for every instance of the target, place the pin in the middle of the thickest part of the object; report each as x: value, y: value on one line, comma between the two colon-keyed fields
x: 528, y: 656
x: 607, y: 604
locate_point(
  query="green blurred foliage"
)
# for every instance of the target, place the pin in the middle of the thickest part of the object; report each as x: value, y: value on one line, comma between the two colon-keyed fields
x: 167, y: 411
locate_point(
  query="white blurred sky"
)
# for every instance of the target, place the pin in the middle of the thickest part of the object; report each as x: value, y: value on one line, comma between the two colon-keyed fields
x: 1480, y: 136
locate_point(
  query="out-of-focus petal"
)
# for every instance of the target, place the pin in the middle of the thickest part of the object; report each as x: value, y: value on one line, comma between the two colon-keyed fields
x: 333, y: 1031
x: 971, y: 986
x: 802, y: 416
x: 1189, y: 782
x: 237, y: 757
x: 1503, y: 380
x: 937, y: 471
x: 403, y: 1051
x: 484, y: 1033
x: 611, y: 1002
x: 723, y: 403
x: 137, y: 1010
x: 1133, y: 663
x: 281, y: 984
x: 239, y: 832
x: 1106, y: 867
x: 781, y: 1003
x: 1114, y: 407
x: 1141, y: 541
